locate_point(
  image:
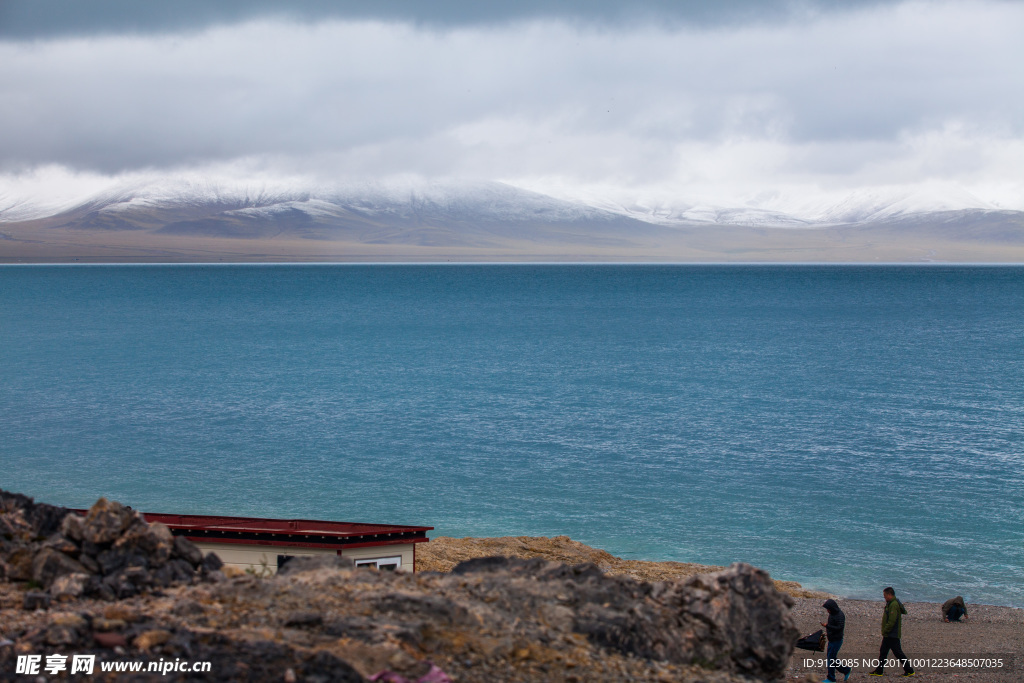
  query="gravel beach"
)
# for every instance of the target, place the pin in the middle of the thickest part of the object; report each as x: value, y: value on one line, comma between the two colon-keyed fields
x: 990, y: 633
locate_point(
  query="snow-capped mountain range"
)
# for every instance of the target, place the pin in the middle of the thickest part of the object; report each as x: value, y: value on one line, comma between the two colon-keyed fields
x: 149, y: 202
x: 774, y: 210
x: 262, y: 201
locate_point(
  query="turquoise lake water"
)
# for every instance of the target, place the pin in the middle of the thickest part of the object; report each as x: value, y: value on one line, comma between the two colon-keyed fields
x: 846, y: 427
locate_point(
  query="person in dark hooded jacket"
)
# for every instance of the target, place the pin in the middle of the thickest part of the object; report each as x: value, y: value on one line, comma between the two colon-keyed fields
x: 834, y: 630
x: 953, y: 609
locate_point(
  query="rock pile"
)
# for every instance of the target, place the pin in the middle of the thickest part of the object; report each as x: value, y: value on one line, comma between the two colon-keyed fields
x: 110, y: 553
x: 501, y: 619
x: 733, y: 620
x: 131, y: 591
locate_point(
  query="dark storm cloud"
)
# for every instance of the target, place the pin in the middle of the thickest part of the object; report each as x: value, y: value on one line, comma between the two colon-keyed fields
x: 29, y: 19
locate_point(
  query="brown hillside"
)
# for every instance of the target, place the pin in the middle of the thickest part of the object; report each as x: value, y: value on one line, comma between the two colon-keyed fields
x: 443, y: 553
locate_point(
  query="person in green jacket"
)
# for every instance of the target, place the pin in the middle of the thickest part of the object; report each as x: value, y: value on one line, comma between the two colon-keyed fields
x: 892, y: 631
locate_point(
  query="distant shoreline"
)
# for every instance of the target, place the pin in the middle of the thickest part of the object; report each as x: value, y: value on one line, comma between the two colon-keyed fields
x: 979, y: 240
x: 506, y: 262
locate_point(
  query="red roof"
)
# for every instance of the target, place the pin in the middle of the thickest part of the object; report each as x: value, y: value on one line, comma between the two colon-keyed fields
x: 290, y: 527
x: 287, y: 532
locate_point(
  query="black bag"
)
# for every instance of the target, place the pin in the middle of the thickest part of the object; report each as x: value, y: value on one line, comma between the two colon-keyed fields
x: 814, y: 642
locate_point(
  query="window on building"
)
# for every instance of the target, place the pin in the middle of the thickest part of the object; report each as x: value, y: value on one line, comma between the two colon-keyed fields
x: 387, y: 564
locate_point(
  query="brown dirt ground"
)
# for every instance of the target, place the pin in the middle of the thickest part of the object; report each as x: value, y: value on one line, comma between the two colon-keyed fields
x: 443, y: 553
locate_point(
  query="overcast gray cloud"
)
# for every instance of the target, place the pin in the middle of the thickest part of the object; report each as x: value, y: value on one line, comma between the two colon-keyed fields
x: 805, y: 97
x: 30, y: 19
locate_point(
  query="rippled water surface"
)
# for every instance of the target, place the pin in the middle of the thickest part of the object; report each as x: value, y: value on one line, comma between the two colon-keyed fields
x: 846, y: 427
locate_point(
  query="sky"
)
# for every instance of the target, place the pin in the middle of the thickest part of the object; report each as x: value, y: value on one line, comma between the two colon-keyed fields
x: 770, y: 104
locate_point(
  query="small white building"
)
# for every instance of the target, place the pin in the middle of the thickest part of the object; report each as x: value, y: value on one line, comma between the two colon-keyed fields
x: 263, y: 545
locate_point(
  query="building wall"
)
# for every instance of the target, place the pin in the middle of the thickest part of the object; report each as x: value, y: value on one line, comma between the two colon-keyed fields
x: 262, y: 559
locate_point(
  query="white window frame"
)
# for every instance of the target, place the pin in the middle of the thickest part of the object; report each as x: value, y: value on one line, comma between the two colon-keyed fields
x: 376, y: 562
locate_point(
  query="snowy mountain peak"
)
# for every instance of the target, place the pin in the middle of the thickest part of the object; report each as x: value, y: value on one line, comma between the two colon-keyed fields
x: 775, y: 209
x: 889, y: 203
x: 457, y: 200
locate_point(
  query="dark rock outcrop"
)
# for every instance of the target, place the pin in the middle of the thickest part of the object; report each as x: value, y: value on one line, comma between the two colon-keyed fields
x: 111, y: 552
x: 732, y: 620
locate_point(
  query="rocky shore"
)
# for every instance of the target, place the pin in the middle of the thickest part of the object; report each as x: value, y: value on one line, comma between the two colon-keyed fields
x: 991, y: 631
x: 112, y: 586
x: 101, y: 585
